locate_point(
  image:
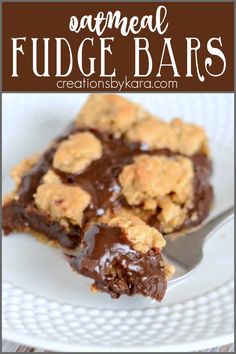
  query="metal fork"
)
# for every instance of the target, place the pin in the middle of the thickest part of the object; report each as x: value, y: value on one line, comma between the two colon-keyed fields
x: 186, y: 252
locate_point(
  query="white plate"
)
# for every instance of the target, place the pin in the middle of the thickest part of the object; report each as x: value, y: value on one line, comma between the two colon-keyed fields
x: 46, y: 305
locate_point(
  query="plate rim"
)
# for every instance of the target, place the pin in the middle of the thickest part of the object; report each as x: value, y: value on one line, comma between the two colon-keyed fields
x: 56, y: 345
x: 63, y: 346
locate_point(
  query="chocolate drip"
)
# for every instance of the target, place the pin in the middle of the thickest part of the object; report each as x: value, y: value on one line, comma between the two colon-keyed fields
x: 100, y: 179
x: 107, y: 257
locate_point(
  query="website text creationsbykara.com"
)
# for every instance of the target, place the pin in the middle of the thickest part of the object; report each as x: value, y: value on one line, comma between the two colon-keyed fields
x: 119, y: 85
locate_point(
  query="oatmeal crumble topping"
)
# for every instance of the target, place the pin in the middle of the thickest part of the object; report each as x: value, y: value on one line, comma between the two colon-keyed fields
x: 51, y: 177
x: 151, y: 178
x: 76, y: 153
x: 169, y: 270
x: 177, y: 136
x: 62, y: 202
x: 159, y: 181
x: 171, y: 215
x: 23, y: 167
x: 140, y: 235
x: 110, y: 113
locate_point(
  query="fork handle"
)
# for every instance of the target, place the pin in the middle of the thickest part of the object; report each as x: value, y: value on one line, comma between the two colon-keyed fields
x: 218, y: 221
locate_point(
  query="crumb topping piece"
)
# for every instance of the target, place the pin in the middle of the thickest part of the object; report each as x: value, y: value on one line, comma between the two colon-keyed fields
x: 62, y: 202
x: 23, y: 167
x: 177, y: 136
x: 159, y: 181
x: 171, y: 214
x: 76, y: 153
x: 169, y: 270
x: 51, y: 178
x: 151, y: 178
x: 110, y: 113
x: 139, y: 234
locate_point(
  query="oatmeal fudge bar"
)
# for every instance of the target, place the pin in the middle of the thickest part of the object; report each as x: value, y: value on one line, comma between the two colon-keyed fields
x: 114, y: 161
x: 123, y: 257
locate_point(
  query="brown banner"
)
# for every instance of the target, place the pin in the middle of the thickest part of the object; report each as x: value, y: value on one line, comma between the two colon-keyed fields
x: 165, y: 46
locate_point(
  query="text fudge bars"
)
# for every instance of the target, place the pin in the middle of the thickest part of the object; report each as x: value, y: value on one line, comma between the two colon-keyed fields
x: 109, y: 189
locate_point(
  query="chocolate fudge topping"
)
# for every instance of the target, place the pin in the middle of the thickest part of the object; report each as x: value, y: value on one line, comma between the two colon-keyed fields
x: 16, y: 217
x: 107, y: 257
x: 100, y: 180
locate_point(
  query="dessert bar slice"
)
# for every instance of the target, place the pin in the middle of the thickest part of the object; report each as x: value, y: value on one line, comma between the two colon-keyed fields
x: 115, y: 162
x: 123, y: 257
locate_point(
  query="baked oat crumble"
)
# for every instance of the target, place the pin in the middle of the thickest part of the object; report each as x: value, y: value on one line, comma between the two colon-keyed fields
x: 140, y: 235
x: 62, y: 202
x: 77, y: 152
x: 177, y: 136
x: 110, y: 113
